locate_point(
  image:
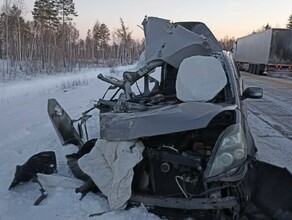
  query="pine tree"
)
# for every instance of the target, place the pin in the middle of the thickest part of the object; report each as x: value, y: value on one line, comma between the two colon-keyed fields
x: 96, y: 33
x: 267, y: 27
x: 88, y: 45
x: 96, y: 40
x: 104, y: 38
x: 66, y: 9
x: 289, y: 25
x: 45, y: 13
x: 46, y: 21
x: 101, y: 36
x: 104, y: 33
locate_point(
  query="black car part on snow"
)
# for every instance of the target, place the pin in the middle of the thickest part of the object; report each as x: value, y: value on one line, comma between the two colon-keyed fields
x: 43, y: 162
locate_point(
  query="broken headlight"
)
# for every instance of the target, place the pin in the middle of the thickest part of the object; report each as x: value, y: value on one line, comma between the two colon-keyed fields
x: 229, y: 153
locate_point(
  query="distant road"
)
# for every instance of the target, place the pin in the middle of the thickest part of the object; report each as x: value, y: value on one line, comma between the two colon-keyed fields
x: 270, y: 118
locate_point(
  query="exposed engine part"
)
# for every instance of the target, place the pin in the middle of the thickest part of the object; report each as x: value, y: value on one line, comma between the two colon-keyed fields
x: 172, y: 157
x: 141, y: 180
x: 166, y: 167
x: 184, y: 141
x: 179, y: 185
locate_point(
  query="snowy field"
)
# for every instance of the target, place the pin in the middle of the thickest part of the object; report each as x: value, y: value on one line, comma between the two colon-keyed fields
x: 26, y: 129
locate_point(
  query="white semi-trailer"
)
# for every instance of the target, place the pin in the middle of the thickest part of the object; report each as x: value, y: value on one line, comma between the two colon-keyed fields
x: 266, y: 51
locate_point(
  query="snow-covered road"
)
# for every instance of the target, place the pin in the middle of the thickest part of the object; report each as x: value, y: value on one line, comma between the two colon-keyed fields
x: 270, y: 119
x: 25, y: 129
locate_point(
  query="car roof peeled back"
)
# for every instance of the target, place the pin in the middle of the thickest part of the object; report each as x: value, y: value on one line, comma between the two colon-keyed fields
x: 173, y: 42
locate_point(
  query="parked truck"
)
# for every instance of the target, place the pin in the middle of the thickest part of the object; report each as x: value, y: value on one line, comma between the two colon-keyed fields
x: 264, y: 52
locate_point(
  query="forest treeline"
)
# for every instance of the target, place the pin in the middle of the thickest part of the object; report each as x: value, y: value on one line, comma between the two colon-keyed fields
x: 50, y: 43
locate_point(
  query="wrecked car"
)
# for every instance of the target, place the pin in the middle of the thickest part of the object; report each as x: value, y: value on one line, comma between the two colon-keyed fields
x: 174, y: 134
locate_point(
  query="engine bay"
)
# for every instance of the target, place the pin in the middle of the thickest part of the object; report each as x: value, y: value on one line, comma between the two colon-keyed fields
x: 174, y: 164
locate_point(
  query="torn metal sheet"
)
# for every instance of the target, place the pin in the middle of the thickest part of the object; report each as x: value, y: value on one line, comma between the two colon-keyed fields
x: 169, y: 119
x: 173, y: 42
x: 63, y: 124
x: 183, y: 203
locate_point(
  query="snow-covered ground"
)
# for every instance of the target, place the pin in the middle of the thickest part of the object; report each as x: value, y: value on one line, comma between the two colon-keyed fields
x: 25, y: 129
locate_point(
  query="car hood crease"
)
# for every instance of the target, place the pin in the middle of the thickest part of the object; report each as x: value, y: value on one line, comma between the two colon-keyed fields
x: 168, y: 119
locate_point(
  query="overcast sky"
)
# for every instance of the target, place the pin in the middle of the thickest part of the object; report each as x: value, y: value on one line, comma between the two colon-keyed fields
x: 224, y: 17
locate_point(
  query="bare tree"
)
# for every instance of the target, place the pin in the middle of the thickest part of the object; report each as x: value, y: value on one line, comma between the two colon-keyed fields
x: 227, y: 43
x: 263, y: 28
x: 289, y: 24
x: 46, y: 45
x: 12, y: 26
x: 125, y: 36
x: 66, y: 9
x: 5, y: 10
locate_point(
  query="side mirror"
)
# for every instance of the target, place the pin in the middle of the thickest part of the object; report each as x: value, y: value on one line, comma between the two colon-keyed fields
x: 252, y: 93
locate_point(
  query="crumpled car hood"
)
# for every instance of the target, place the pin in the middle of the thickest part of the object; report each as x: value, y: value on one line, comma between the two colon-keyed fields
x: 173, y: 42
x: 164, y: 120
